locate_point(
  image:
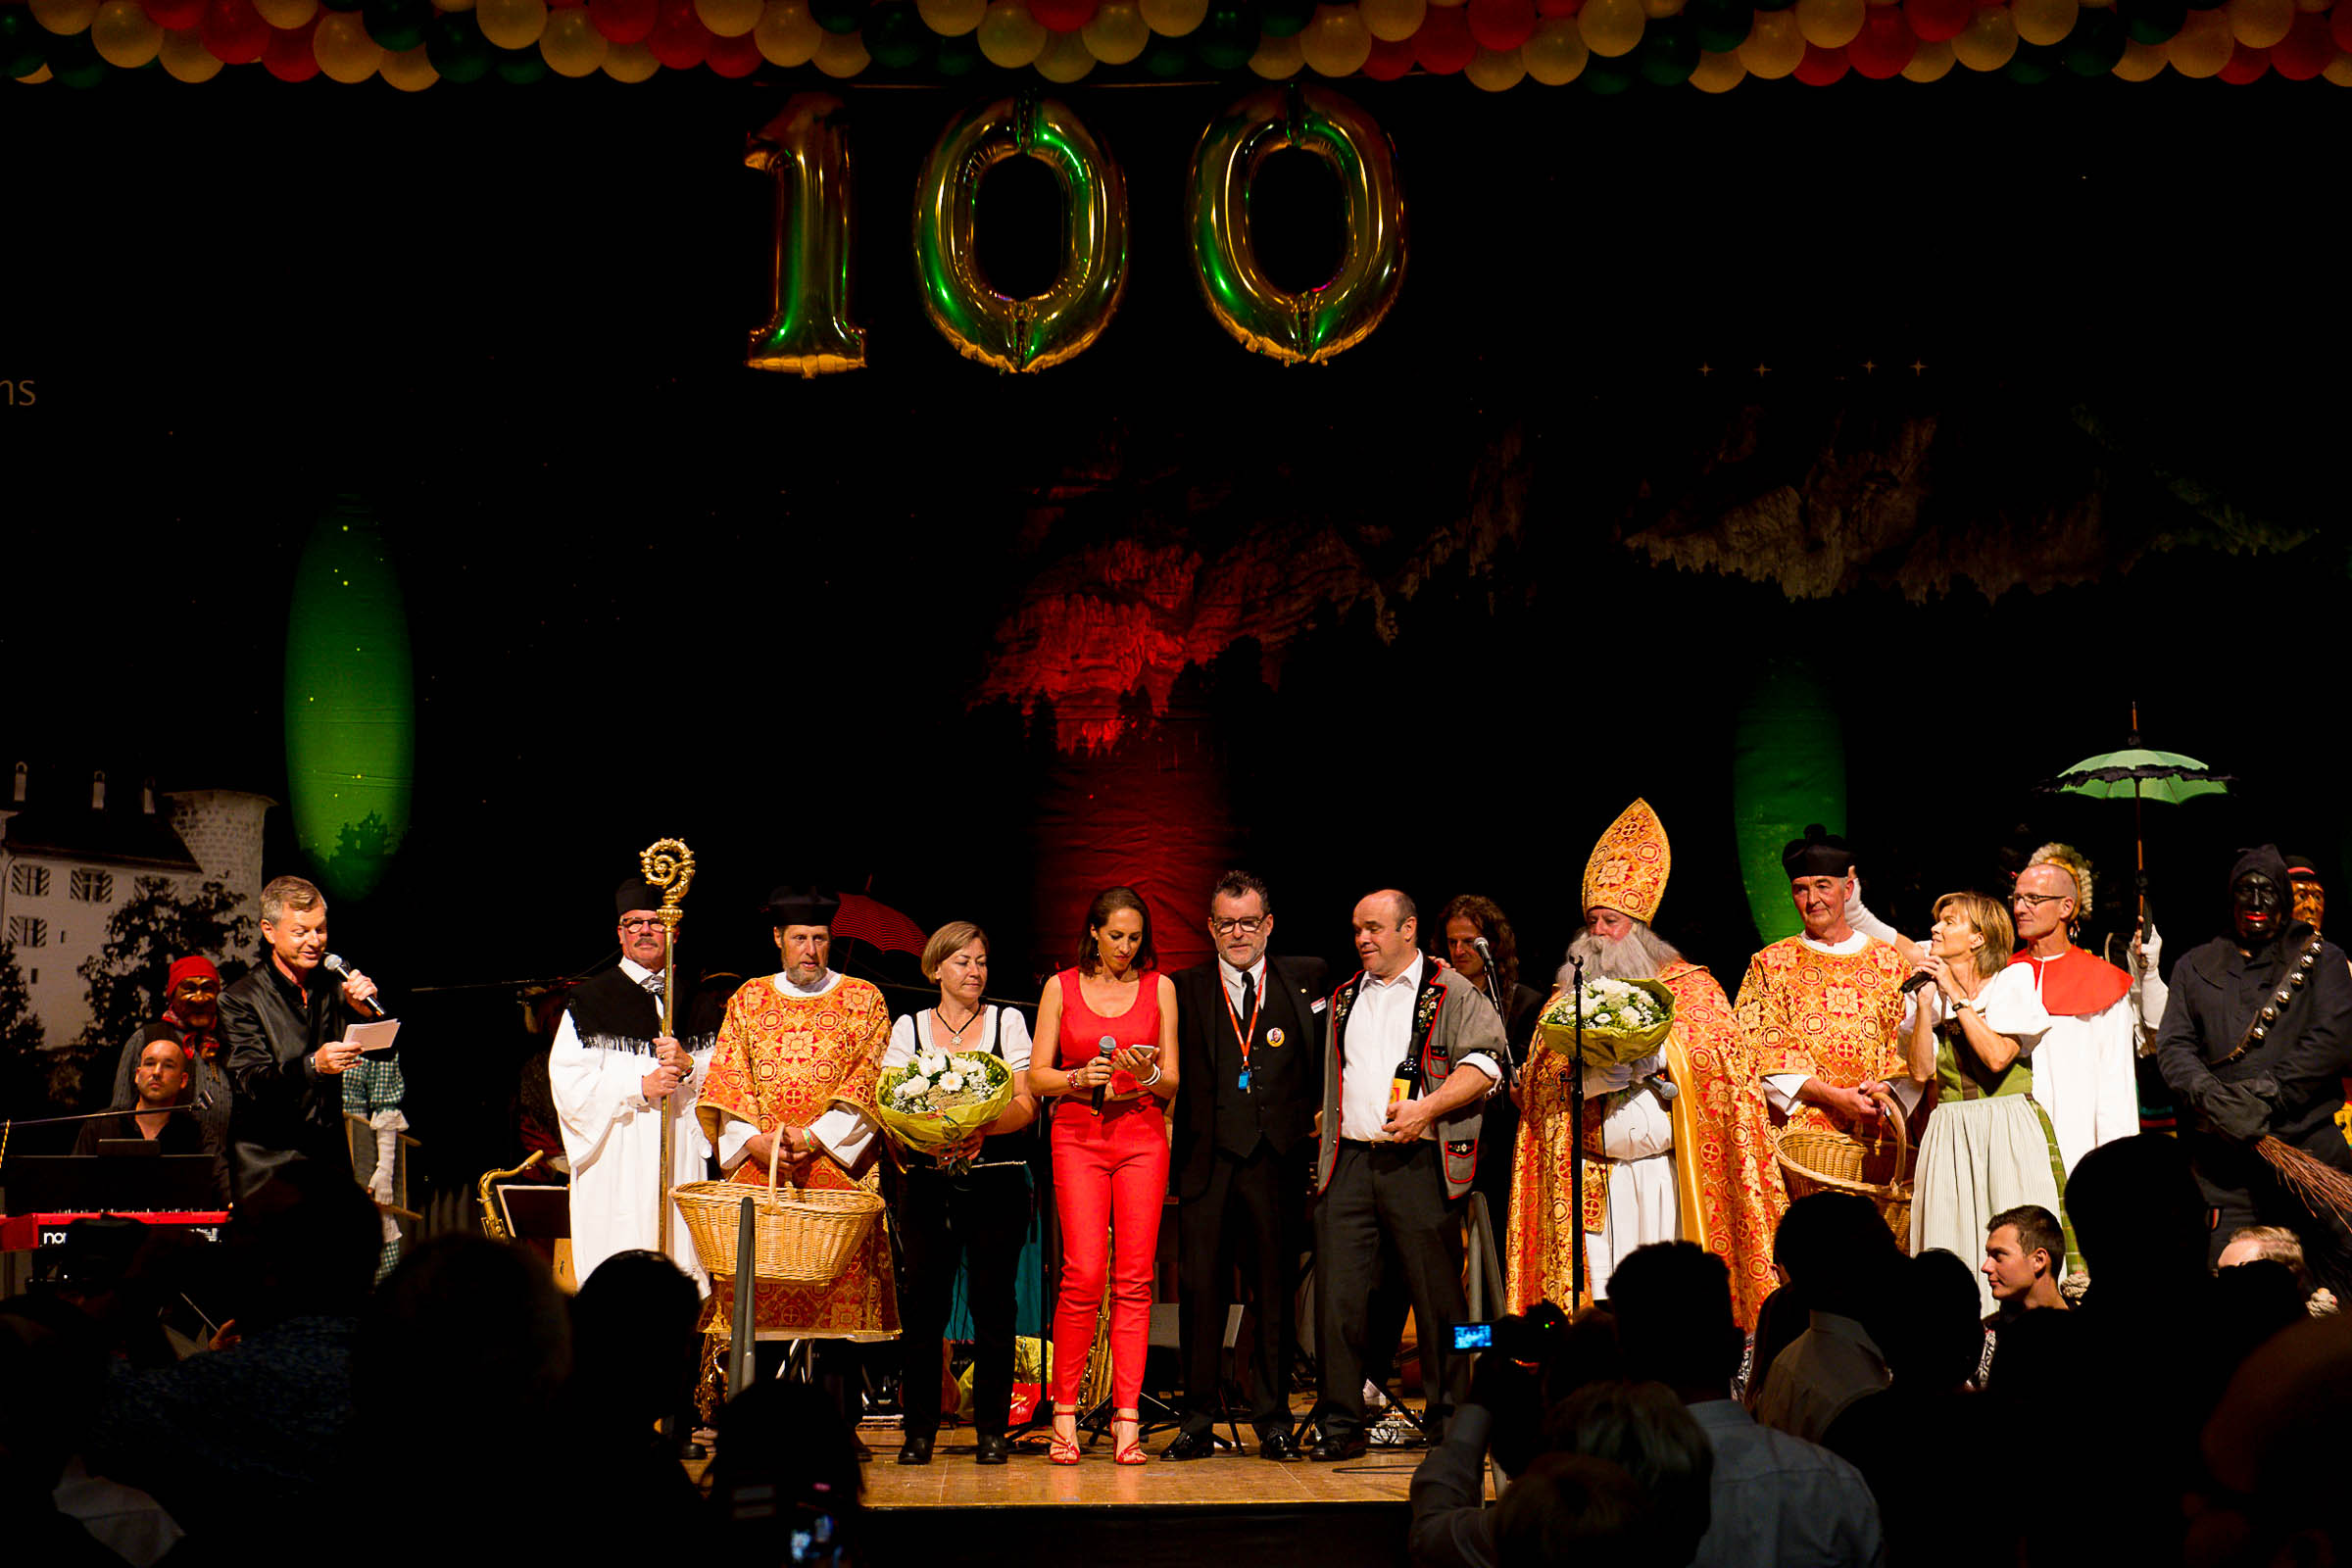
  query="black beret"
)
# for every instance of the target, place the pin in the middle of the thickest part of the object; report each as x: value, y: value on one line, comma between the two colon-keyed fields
x: 798, y: 905
x: 635, y: 894
x: 1819, y: 853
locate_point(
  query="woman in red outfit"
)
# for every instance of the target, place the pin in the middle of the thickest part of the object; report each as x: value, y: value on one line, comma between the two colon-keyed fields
x: 1111, y: 1022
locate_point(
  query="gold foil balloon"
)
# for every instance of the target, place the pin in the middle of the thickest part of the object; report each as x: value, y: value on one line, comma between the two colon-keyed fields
x: 1554, y: 54
x: 343, y: 49
x: 630, y: 63
x: 842, y: 55
x: 2339, y: 70
x: 185, y: 56
x: 1392, y: 20
x: 1117, y: 31
x: 1612, y: 27
x: 2141, y: 62
x: 787, y: 35
x: 1065, y: 58
x: 509, y: 23
x: 408, y: 69
x: 2202, y: 46
x: 64, y: 18
x: 1278, y: 59
x: 1830, y: 23
x: 1775, y: 45
x: 805, y: 152
x: 1009, y: 36
x: 124, y: 36
x: 2041, y: 21
x: 1495, y: 69
x: 1989, y: 40
x: 1334, y: 316
x: 1931, y: 60
x: 1044, y: 329
x: 286, y: 15
x: 1717, y: 72
x: 572, y: 46
x: 951, y: 19
x: 2260, y: 24
x: 1335, y: 41
x: 1173, y: 18
x: 729, y: 18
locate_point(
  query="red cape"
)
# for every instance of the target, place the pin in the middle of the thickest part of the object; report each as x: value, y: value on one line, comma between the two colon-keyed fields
x: 2075, y: 983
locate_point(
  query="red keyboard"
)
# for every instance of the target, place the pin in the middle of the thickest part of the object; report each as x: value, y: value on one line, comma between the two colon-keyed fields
x: 27, y: 1233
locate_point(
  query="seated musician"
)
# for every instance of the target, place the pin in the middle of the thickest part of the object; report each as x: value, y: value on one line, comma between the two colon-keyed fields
x: 160, y: 1084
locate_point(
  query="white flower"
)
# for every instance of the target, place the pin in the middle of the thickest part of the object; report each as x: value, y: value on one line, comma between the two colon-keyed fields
x: 907, y: 1089
x: 933, y: 1063
x: 951, y: 1082
x: 970, y: 1066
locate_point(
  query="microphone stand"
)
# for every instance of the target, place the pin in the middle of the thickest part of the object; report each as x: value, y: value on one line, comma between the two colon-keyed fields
x: 1576, y: 1144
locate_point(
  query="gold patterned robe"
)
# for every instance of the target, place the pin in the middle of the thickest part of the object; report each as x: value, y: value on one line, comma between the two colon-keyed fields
x: 1727, y: 1184
x: 1831, y: 1016
x: 785, y: 1060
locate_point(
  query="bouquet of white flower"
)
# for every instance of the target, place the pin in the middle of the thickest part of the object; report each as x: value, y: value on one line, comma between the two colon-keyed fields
x: 1624, y: 1020
x: 940, y: 1098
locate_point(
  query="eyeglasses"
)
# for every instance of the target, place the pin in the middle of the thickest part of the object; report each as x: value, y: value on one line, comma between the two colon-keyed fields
x: 641, y: 925
x: 1248, y: 928
x: 2035, y: 901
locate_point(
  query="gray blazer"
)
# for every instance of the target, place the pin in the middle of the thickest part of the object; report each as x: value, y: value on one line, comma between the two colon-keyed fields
x: 1450, y: 1020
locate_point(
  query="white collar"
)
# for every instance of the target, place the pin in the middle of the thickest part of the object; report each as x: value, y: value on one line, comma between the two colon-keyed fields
x: 787, y: 988
x: 1232, y: 977
x: 637, y: 971
x: 1844, y: 950
x: 1409, y: 976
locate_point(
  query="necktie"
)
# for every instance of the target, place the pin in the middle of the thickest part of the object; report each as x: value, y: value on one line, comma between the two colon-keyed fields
x: 1248, y: 998
x: 652, y: 983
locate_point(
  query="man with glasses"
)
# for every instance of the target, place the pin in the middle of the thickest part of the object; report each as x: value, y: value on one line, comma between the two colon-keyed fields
x: 1244, y: 1132
x: 2083, y: 1072
x: 616, y: 1077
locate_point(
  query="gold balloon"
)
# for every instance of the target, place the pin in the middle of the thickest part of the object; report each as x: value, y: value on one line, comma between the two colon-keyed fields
x: 787, y: 35
x: 729, y: 18
x: 1449, y: 4
x: 2202, y: 46
x: 805, y: 152
x: 2260, y: 24
x: 950, y: 18
x: 1495, y: 69
x: 2141, y: 62
x: 1830, y: 23
x: 46, y: 74
x: 2338, y: 69
x: 1392, y: 20
x: 1065, y: 58
x: 343, y: 49
x: 572, y: 46
x: 841, y: 54
x: 1930, y: 62
x: 124, y: 36
x: 2044, y: 22
x: 1009, y: 36
x: 1989, y: 40
x: 1774, y: 47
x: 1662, y: 8
x: 1044, y: 329
x: 1117, y: 31
x: 408, y: 69
x: 1718, y: 73
x: 2312, y: 5
x: 1278, y: 59
x: 1335, y: 41
x: 64, y: 18
x: 1612, y: 27
x: 509, y: 23
x: 286, y: 14
x: 1173, y: 18
x: 185, y: 56
x: 453, y: 5
x: 1554, y: 54
x: 1316, y: 323
x: 630, y: 63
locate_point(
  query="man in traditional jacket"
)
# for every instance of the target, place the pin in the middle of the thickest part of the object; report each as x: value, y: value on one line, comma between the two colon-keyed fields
x: 1821, y: 1011
x: 2256, y: 1042
x: 191, y: 1016
x: 1677, y: 1145
x: 2082, y: 1070
x: 616, y: 1077
x: 1392, y: 1169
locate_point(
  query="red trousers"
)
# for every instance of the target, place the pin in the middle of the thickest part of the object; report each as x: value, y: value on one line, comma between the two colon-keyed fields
x: 1111, y: 1176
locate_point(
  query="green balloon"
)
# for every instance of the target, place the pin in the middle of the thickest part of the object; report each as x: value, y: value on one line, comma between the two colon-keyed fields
x: 2096, y: 43
x: 894, y: 36
x: 838, y: 16
x: 1166, y: 58
x: 1722, y: 26
x: 1667, y: 51
x: 397, y: 25
x: 957, y: 57
x: 1227, y: 39
x: 75, y: 61
x: 2033, y: 64
x: 1608, y: 76
x: 455, y: 45
x: 23, y: 42
x: 1285, y: 19
x: 2153, y: 21
x: 1787, y: 770
x: 521, y: 67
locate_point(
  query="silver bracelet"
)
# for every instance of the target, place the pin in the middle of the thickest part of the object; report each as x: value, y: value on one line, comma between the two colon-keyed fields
x: 1145, y: 1083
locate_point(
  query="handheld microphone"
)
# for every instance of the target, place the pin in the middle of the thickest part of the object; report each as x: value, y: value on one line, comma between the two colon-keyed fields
x: 1922, y: 978
x: 335, y: 965
x: 1102, y: 1049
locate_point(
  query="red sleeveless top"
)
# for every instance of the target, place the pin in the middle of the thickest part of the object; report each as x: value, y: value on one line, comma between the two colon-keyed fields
x: 1083, y: 1029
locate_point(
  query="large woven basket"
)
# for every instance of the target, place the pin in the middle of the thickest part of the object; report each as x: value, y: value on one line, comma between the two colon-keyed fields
x: 1817, y: 1161
x: 800, y: 1235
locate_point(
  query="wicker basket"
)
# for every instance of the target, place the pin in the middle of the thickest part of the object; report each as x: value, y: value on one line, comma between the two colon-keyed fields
x: 1816, y: 1162
x: 800, y: 1235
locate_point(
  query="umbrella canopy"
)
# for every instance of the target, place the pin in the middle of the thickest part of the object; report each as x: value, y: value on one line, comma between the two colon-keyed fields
x: 868, y: 920
x: 2137, y: 774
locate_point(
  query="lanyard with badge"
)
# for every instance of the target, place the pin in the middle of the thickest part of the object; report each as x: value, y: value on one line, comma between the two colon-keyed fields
x: 1257, y: 1004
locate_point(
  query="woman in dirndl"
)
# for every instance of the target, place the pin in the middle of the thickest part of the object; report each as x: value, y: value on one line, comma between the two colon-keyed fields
x: 1987, y: 1145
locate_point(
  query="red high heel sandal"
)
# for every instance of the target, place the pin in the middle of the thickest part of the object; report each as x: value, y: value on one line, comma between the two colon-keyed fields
x: 1062, y: 1451
x: 1133, y: 1452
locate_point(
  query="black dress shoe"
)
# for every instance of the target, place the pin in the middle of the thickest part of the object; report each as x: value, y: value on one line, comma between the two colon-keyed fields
x: 1333, y: 1450
x: 995, y: 1449
x: 1191, y: 1445
x: 1278, y: 1444
x: 916, y: 1449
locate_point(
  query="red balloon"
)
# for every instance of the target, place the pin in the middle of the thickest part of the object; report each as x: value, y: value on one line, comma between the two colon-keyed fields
x: 1389, y: 61
x: 734, y: 57
x: 2339, y: 26
x: 174, y: 14
x: 1885, y: 45
x: 1501, y: 24
x: 2246, y: 65
x: 1558, y: 8
x: 1937, y: 20
x: 1062, y: 16
x: 623, y: 20
x: 288, y: 54
x: 234, y: 33
x: 1443, y: 44
x: 2305, y: 50
x: 1821, y: 66
x: 679, y: 40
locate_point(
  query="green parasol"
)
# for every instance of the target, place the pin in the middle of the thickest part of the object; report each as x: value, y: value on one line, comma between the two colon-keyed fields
x: 2138, y: 774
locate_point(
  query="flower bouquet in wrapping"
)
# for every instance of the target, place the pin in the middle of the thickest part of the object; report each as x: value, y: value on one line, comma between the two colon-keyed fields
x: 1624, y: 1020
x: 939, y: 1098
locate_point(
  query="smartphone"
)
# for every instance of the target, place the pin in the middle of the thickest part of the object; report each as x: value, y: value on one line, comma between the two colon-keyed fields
x: 1474, y: 1336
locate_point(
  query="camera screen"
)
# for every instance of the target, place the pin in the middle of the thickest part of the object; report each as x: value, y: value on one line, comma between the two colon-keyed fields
x: 1474, y: 1336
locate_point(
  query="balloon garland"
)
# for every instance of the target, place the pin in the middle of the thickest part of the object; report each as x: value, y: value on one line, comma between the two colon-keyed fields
x: 1608, y: 45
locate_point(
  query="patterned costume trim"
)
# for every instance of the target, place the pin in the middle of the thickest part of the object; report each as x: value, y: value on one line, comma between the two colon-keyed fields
x: 1628, y: 868
x: 1831, y: 1016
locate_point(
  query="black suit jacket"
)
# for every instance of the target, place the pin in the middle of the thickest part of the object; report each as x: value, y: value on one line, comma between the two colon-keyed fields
x: 285, y: 1109
x: 1286, y: 1079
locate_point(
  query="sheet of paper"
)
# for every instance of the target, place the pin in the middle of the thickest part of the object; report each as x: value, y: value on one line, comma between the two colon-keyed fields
x: 374, y: 1038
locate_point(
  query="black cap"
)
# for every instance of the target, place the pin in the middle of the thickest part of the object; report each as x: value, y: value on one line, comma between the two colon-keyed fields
x: 1819, y: 853
x: 635, y: 894
x: 798, y: 905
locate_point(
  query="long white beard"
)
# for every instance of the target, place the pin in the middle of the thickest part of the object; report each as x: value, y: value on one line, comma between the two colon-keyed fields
x: 1639, y: 954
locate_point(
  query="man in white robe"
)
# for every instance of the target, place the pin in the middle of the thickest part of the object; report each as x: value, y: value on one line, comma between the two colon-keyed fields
x: 2083, y: 1072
